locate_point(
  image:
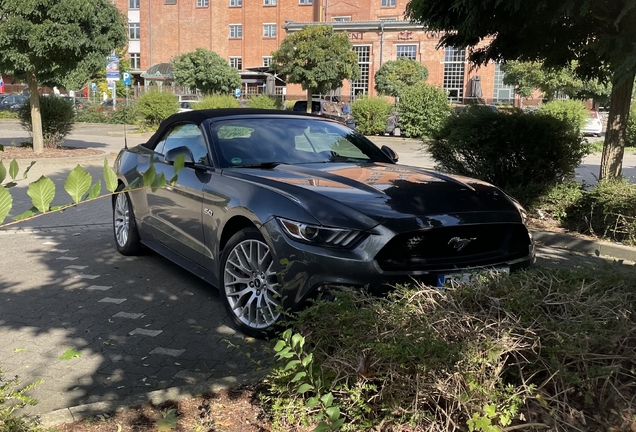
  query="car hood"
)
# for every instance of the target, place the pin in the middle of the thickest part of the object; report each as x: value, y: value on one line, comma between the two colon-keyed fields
x: 375, y: 193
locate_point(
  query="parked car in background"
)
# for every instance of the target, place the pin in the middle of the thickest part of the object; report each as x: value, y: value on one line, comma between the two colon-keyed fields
x: 13, y: 102
x: 593, y: 125
x: 275, y: 207
x: 186, y: 102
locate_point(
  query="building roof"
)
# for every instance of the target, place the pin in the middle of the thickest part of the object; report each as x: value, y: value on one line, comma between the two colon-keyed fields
x: 159, y: 72
x: 292, y: 26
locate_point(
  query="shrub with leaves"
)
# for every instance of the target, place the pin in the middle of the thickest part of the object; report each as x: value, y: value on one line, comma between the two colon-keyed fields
x: 8, y: 115
x: 58, y: 118
x: 509, y: 150
x: 396, y: 75
x: 216, y: 101
x: 572, y: 112
x: 423, y: 109
x: 549, y: 349
x: 263, y: 102
x: 154, y: 107
x: 13, y: 398
x: 631, y: 126
x: 370, y: 114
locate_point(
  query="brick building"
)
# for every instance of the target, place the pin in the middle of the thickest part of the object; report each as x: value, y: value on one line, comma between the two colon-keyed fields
x: 245, y: 32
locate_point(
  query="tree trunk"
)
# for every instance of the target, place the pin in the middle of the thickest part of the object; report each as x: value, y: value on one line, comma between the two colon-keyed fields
x: 614, y: 145
x: 36, y: 118
x: 310, y: 92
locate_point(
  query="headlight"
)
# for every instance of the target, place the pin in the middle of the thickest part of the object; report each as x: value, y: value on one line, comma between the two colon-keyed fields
x: 315, y: 234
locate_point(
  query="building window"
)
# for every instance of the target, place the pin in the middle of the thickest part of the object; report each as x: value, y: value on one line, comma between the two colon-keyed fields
x: 361, y: 86
x: 407, y: 51
x: 342, y: 19
x: 236, y: 3
x: 503, y: 93
x: 269, y: 30
x: 236, y: 31
x: 133, y: 4
x: 169, y: 1
x: 133, y: 31
x: 454, y: 68
x: 203, y: 3
x: 269, y: 2
x: 267, y: 61
x: 135, y: 61
x: 388, y: 3
x: 305, y: 2
x: 236, y: 63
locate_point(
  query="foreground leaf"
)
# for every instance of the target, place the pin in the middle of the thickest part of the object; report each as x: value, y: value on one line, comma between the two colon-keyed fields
x: 179, y: 164
x: 13, y: 169
x: 169, y: 420
x: 26, y: 171
x: 94, y: 191
x: 110, y: 177
x: 158, y: 182
x: 78, y: 183
x: 3, y: 172
x: 42, y: 193
x: 149, y: 176
x: 6, y: 202
x: 27, y: 214
x: 70, y: 354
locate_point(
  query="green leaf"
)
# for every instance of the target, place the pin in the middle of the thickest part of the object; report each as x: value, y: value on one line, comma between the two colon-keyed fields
x: 308, y: 359
x: 311, y: 402
x: 42, y: 193
x: 292, y: 364
x: 56, y: 208
x: 287, y: 334
x: 179, y: 164
x: 169, y: 420
x: 110, y: 177
x: 133, y: 184
x: 18, y: 350
x: 3, y: 172
x: 322, y: 426
x: 299, y: 376
x: 305, y: 388
x: 158, y: 182
x: 70, y: 354
x: 78, y: 183
x: 327, y: 400
x: 490, y: 410
x: 6, y: 202
x: 296, y: 339
x: 94, y: 191
x: 333, y: 413
x: 26, y: 214
x: 1, y: 147
x: 13, y: 169
x: 279, y: 345
x: 337, y: 424
x: 26, y: 171
x: 149, y: 176
x: 10, y: 185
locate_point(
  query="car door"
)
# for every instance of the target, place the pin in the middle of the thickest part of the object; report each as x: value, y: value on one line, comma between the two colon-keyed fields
x: 176, y: 210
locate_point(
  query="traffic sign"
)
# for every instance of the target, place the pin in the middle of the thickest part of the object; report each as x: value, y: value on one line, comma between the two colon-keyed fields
x: 237, y: 92
x: 126, y: 78
x: 94, y: 86
x: 112, y: 68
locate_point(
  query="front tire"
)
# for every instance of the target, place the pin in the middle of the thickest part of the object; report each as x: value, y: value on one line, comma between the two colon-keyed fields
x: 127, y: 239
x: 249, y: 284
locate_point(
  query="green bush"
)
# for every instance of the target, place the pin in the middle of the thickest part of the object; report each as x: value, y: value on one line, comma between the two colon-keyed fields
x: 13, y: 398
x: 370, y: 114
x: 631, y: 126
x: 58, y: 117
x: 572, y: 112
x: 125, y: 114
x: 8, y: 115
x: 504, y: 351
x: 423, y: 109
x: 607, y: 210
x: 92, y: 113
x: 550, y: 202
x: 216, y: 101
x: 264, y: 102
x: 509, y: 150
x: 154, y: 107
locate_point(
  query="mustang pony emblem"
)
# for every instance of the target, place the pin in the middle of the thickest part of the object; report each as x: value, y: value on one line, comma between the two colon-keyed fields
x: 460, y: 243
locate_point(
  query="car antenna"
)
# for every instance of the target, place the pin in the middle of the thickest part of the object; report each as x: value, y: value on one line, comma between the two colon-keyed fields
x: 125, y: 137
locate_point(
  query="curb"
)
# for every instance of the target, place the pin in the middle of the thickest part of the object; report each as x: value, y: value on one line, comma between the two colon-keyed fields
x: 592, y: 247
x: 79, y: 412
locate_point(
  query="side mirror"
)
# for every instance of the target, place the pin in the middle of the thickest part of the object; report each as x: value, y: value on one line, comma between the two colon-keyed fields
x: 390, y: 153
x: 172, y: 155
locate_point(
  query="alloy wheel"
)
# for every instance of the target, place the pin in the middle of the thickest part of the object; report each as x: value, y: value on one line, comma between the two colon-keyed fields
x: 250, y: 284
x: 122, y: 219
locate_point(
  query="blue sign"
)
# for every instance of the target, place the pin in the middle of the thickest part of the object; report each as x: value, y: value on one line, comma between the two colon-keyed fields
x: 94, y: 86
x: 126, y: 78
x: 112, y: 68
x: 237, y: 92
x: 111, y: 84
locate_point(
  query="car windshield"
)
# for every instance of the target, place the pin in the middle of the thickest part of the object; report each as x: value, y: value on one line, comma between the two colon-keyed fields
x: 266, y: 140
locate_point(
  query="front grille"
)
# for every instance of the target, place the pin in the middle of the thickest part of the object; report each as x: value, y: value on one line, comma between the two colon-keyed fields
x: 454, y: 247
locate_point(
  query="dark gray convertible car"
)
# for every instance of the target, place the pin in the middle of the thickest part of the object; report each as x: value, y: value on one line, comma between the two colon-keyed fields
x: 273, y: 207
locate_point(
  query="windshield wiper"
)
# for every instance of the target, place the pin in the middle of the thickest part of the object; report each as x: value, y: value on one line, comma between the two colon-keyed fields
x: 266, y: 165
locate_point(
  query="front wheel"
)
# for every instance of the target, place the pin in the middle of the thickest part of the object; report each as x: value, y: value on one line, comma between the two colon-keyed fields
x: 250, y: 289
x: 127, y: 239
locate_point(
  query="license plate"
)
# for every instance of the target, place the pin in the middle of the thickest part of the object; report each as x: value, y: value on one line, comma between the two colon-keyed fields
x: 462, y: 278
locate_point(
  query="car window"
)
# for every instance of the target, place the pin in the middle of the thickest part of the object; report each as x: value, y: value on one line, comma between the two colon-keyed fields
x: 253, y: 141
x: 188, y: 135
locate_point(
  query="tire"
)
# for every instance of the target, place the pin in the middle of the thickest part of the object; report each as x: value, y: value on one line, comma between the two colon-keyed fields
x: 249, y: 285
x: 125, y: 231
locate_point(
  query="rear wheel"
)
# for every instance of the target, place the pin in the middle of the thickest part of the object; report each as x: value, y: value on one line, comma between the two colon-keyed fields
x: 250, y: 289
x: 127, y: 239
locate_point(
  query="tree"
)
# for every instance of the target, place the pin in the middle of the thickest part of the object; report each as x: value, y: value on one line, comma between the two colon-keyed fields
x: 317, y: 58
x: 205, y: 70
x: 599, y: 35
x: 44, y: 40
x: 528, y: 76
x: 395, y: 75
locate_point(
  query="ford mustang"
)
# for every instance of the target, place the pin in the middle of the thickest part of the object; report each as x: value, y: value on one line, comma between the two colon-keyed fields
x: 274, y: 207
